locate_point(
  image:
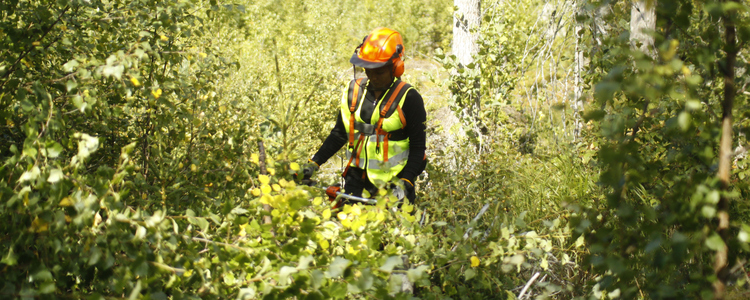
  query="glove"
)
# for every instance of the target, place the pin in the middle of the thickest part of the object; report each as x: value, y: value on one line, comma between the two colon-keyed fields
x: 399, y: 193
x: 309, y: 169
x: 402, y: 189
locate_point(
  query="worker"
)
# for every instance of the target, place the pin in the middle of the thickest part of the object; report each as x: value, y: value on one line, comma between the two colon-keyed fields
x: 381, y: 121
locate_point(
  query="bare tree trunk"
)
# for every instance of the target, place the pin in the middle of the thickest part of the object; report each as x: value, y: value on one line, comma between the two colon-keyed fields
x: 725, y: 157
x: 643, y: 20
x: 577, y: 105
x: 466, y: 22
x: 599, y: 27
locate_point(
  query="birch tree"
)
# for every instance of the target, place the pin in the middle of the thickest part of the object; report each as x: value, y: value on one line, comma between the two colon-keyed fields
x: 466, y: 22
x: 642, y: 21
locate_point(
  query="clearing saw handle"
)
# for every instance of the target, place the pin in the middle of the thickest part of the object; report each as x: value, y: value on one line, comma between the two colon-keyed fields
x: 334, y: 193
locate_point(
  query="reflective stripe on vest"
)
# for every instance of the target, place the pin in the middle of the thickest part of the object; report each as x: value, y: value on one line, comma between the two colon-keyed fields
x: 374, y: 164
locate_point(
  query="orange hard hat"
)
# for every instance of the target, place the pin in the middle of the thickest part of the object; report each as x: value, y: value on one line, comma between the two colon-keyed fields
x: 381, y: 47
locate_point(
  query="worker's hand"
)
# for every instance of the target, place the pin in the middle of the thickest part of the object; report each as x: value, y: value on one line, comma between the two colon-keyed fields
x: 398, y: 192
x: 309, y: 169
x: 401, y: 189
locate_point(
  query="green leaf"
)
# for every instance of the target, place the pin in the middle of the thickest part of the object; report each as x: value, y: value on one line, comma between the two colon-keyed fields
x: 27, y: 106
x: 352, y: 289
x: 304, y: 262
x: 684, y: 120
x: 692, y: 105
x: 202, y: 223
x: 708, y: 211
x: 246, y: 293
x: 78, y: 102
x: 605, y: 91
x: 417, y: 273
x: 284, y: 274
x: 140, y: 267
x: 8, y: 289
x: 318, y: 278
x: 47, y: 287
x: 469, y: 273
x: 55, y: 175
x: 159, y: 296
x: 239, y: 211
x: 70, y: 66
x: 595, y: 115
x: 136, y: 292
x: 693, y: 80
x: 744, y: 235
x: 338, y: 289
x: 128, y: 149
x: 43, y: 275
x: 732, y: 6
x: 94, y: 255
x: 30, y: 175
x: 391, y: 263
x: 366, y: 280
x: 653, y: 245
x: 54, y: 150
x: 70, y: 85
x: 713, y: 197
x: 115, y: 71
x: 337, y: 267
x: 517, y: 260
x: 86, y: 145
x: 714, y: 242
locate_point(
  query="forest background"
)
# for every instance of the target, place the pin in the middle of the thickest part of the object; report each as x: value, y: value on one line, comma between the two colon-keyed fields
x: 148, y: 151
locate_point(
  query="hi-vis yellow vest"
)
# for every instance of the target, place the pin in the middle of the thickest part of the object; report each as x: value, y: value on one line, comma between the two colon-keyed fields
x: 381, y: 147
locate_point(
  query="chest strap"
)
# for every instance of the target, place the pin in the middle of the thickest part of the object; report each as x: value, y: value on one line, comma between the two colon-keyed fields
x: 354, y: 96
x: 379, y: 128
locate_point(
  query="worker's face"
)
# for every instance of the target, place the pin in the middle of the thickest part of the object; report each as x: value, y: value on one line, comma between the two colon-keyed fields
x: 380, y: 78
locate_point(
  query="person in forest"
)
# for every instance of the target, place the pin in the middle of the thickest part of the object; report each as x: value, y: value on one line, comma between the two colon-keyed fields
x: 381, y: 120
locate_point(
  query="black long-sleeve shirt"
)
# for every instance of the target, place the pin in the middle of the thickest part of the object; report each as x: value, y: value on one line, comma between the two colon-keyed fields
x: 415, y: 115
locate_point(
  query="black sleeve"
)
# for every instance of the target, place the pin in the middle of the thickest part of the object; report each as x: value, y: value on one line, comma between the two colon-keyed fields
x: 416, y: 116
x: 335, y: 140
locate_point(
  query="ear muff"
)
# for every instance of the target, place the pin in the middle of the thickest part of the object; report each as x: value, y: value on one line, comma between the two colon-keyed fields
x: 398, y: 67
x: 398, y: 63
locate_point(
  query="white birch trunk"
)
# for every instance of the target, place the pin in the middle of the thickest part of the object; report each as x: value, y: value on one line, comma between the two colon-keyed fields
x: 642, y: 21
x: 465, y: 20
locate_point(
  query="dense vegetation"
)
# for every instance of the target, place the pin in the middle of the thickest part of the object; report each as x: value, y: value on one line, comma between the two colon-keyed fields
x: 142, y: 141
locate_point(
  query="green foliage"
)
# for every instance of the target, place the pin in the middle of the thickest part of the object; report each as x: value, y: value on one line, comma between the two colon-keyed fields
x: 131, y: 167
x: 659, y: 128
x: 653, y: 133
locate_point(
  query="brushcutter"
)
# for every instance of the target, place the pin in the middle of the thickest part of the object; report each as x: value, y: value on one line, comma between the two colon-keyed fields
x: 336, y: 195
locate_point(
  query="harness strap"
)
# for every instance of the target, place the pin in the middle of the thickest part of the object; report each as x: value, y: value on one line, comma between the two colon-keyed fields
x: 348, y: 164
x: 360, y: 146
x: 388, y: 104
x: 383, y: 112
x: 401, y: 116
x: 352, y: 108
x: 385, y: 144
